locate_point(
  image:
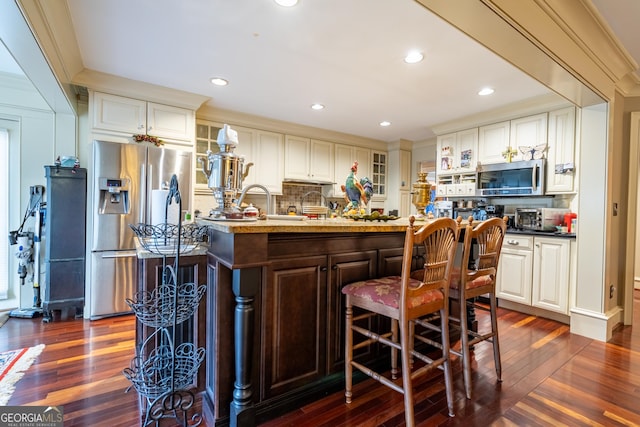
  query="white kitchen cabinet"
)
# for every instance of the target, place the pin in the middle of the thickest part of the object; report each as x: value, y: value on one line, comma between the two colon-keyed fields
x: 266, y: 151
x: 344, y: 156
x: 457, y: 152
x: 122, y: 115
x: 405, y: 208
x: 493, y: 141
x: 561, y: 151
x: 551, y: 274
x: 308, y: 159
x: 379, y: 163
x: 535, y: 271
x: 514, y: 278
x: 405, y: 170
x: 456, y: 185
x: 457, y: 155
x: 499, y: 142
x: 528, y: 132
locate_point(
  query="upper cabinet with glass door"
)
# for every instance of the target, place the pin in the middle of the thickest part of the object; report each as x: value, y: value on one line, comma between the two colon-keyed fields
x: 206, y: 140
x: 379, y: 174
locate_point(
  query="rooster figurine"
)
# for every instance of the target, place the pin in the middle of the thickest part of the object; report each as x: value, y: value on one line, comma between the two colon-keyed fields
x: 356, y: 191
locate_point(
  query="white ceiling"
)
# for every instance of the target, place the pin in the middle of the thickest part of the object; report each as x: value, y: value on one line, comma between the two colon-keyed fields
x: 347, y: 55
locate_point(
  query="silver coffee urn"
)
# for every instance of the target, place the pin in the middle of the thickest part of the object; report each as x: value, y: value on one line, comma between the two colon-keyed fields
x: 225, y: 172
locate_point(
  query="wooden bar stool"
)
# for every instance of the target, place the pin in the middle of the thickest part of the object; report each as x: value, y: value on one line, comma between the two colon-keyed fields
x: 475, y: 277
x: 403, y: 299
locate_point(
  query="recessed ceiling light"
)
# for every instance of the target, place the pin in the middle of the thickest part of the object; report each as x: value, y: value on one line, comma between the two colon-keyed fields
x: 287, y: 3
x: 485, y: 91
x: 385, y: 123
x: 219, y: 81
x: 317, y: 106
x: 413, y: 57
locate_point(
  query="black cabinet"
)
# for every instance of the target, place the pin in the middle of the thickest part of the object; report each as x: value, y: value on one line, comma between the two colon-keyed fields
x: 65, y: 239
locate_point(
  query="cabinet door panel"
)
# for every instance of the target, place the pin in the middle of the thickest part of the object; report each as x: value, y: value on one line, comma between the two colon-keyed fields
x: 346, y: 268
x: 514, y: 275
x: 551, y: 274
x: 561, y: 150
x: 342, y: 166
x: 296, y: 157
x: 321, y: 161
x: 492, y: 141
x: 119, y: 114
x: 246, y: 144
x: 467, y: 155
x: 363, y: 156
x: 528, y: 132
x: 170, y: 122
x: 446, y: 152
x: 294, y: 319
x: 269, y: 154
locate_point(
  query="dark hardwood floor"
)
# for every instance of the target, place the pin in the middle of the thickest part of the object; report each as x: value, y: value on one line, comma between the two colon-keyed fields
x: 550, y: 378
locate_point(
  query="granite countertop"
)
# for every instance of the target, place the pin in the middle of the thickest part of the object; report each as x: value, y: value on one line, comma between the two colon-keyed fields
x: 333, y: 225
x: 541, y: 233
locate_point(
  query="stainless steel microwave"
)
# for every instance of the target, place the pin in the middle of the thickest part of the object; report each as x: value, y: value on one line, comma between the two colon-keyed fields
x: 523, y: 178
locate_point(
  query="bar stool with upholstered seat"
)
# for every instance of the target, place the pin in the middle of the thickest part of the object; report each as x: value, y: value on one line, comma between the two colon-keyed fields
x: 475, y: 277
x: 403, y: 299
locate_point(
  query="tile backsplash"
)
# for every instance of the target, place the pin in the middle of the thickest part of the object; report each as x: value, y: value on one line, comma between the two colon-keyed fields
x: 292, y: 195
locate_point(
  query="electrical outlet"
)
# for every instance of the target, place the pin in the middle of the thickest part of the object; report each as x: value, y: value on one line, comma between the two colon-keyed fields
x: 611, y: 290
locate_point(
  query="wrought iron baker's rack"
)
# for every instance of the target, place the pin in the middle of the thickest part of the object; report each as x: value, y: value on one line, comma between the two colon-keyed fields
x: 163, y: 371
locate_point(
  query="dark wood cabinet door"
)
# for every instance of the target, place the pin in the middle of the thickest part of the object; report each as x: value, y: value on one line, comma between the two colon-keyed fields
x: 390, y: 260
x: 344, y: 269
x: 294, y: 316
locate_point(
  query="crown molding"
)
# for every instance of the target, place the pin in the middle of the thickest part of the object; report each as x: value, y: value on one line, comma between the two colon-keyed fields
x: 206, y: 112
x: 116, y: 85
x: 540, y: 104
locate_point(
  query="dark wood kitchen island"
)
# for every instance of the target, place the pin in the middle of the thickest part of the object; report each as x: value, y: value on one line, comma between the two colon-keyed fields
x: 275, y: 313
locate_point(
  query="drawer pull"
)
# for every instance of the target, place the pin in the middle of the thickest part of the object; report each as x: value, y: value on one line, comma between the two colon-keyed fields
x: 513, y: 242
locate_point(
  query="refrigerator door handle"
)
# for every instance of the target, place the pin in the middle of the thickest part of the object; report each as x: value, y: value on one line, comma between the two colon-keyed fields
x: 143, y: 191
x: 149, y: 189
x: 119, y: 254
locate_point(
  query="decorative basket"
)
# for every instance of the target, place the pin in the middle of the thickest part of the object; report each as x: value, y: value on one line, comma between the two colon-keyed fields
x: 152, y: 377
x: 156, y: 308
x: 163, y: 239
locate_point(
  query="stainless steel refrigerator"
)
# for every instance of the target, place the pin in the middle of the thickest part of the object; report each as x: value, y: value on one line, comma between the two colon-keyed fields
x: 124, y: 177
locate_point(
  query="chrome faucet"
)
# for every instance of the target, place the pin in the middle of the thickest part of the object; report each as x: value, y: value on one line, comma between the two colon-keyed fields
x: 249, y: 187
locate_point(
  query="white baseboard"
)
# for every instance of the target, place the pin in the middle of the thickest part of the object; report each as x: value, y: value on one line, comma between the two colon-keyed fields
x: 597, y: 326
x: 534, y: 311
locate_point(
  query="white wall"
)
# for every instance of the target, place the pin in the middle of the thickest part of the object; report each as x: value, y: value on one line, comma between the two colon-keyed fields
x: 36, y: 148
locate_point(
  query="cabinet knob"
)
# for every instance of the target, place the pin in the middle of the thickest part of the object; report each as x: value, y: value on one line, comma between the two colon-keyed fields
x: 334, y: 267
x: 323, y: 268
x: 140, y: 126
x: 150, y: 127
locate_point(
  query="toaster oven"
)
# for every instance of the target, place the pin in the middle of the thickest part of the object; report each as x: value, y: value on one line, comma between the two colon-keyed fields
x: 539, y: 219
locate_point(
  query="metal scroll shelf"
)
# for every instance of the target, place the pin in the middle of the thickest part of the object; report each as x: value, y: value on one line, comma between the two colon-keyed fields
x: 162, y: 372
